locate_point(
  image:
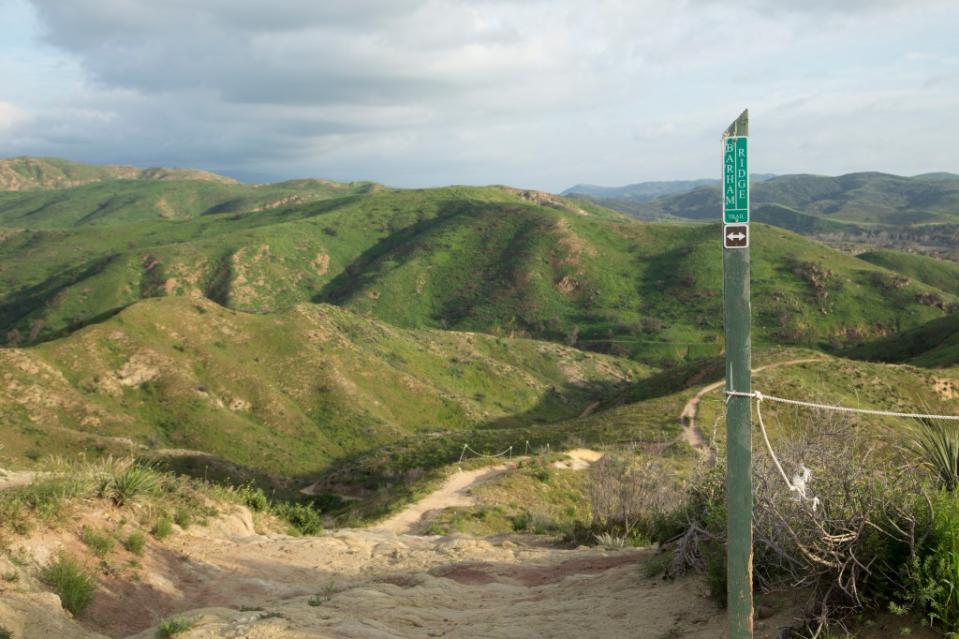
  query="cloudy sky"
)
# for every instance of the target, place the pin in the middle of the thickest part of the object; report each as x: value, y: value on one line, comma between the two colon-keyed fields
x: 532, y: 93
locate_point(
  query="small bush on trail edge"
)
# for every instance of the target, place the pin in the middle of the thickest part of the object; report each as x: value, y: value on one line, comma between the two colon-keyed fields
x: 533, y: 522
x: 174, y: 626
x: 162, y: 529
x: 74, y: 587
x: 5, y: 633
x: 635, y: 498
x: 254, y: 498
x: 135, y: 543
x: 303, y: 518
x: 182, y: 518
x: 99, y: 543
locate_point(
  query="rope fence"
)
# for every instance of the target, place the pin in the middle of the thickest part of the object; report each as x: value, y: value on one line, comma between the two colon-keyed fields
x: 759, y: 397
x: 507, y: 452
x: 800, y: 481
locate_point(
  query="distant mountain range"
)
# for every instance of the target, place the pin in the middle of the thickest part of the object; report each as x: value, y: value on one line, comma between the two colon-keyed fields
x: 647, y: 191
x: 25, y: 173
x: 858, y: 198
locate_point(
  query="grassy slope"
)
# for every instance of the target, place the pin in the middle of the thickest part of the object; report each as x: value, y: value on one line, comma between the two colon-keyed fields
x: 283, y: 393
x: 935, y: 344
x: 490, y: 259
x: 941, y: 274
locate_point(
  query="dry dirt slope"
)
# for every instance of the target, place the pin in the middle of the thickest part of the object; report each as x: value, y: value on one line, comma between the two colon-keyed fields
x: 232, y: 582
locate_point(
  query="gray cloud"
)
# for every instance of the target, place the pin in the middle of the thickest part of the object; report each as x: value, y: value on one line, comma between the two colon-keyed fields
x: 532, y: 92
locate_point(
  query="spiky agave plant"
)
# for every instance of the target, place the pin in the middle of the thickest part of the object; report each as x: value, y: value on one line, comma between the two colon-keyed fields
x: 937, y: 444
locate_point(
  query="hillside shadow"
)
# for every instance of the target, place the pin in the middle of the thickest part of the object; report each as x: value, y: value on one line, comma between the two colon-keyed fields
x: 23, y: 302
x: 399, y: 247
x: 293, y: 210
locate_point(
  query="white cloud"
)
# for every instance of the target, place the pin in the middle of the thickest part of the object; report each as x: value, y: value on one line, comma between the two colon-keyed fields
x: 10, y: 115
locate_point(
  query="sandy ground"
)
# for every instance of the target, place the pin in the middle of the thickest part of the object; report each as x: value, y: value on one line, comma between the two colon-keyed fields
x: 579, y: 459
x: 14, y: 478
x: 232, y: 582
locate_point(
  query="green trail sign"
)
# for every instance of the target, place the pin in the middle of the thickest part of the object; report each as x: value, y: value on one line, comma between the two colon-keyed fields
x: 737, y: 315
x: 735, y: 180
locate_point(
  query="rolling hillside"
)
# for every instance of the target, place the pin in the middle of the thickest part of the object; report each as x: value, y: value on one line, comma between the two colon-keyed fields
x: 494, y: 259
x: 285, y: 393
x: 942, y: 274
x: 932, y: 345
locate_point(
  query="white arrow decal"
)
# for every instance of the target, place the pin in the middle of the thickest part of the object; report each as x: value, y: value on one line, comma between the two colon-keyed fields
x: 737, y: 236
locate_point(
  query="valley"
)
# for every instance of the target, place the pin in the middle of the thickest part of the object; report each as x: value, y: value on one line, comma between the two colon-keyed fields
x: 317, y: 378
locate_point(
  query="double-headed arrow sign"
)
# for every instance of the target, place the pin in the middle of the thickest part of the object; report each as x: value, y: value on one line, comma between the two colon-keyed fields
x: 736, y: 236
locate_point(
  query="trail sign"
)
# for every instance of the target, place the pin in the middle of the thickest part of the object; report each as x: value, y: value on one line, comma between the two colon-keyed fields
x: 735, y: 179
x: 736, y: 323
x: 735, y: 236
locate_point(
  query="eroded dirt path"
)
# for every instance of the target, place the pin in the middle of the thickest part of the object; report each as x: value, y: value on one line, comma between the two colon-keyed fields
x: 454, y: 492
x: 692, y: 434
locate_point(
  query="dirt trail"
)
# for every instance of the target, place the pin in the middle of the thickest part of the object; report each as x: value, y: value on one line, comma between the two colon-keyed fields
x: 15, y: 478
x: 579, y: 459
x: 454, y: 492
x: 692, y: 435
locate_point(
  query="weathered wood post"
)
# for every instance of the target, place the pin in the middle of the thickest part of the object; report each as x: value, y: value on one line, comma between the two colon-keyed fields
x: 739, y: 489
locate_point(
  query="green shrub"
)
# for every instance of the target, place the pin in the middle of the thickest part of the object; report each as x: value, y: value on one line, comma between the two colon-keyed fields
x: 533, y: 522
x: 135, y: 543
x: 935, y: 570
x: 303, y: 518
x: 74, y: 586
x: 174, y: 626
x: 255, y: 499
x: 182, y: 518
x: 5, y: 633
x: 99, y: 543
x: 163, y: 528
x: 125, y: 486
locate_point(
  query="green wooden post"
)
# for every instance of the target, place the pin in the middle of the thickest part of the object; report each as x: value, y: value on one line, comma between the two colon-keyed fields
x: 739, y: 490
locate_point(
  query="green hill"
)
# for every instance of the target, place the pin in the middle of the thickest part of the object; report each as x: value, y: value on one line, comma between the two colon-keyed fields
x: 934, y: 345
x: 941, y: 274
x: 286, y: 393
x: 26, y: 173
x: 491, y: 259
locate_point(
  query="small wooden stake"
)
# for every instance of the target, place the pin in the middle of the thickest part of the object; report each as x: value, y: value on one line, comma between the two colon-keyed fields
x: 739, y: 490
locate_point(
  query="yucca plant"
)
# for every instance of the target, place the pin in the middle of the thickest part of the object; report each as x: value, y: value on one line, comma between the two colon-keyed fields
x: 125, y: 485
x: 937, y: 444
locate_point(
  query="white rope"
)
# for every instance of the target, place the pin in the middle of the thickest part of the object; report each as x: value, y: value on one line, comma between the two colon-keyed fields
x: 800, y: 481
x: 843, y: 409
x: 466, y: 447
